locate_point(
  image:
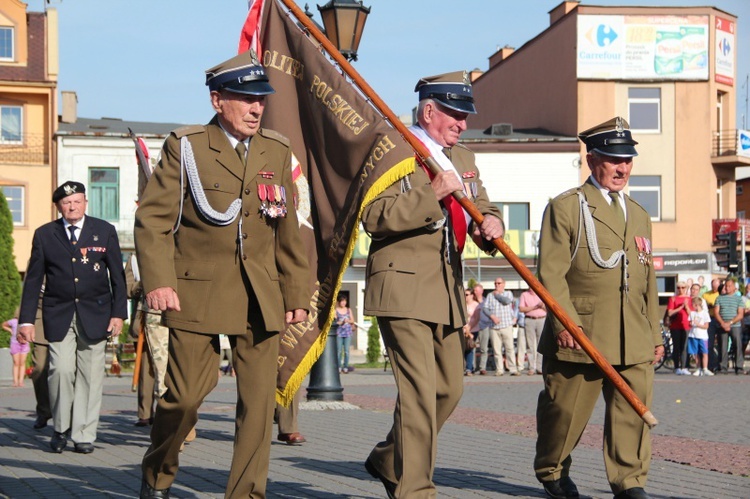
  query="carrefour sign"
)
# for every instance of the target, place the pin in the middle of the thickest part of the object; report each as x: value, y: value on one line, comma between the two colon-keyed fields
x: 743, y: 143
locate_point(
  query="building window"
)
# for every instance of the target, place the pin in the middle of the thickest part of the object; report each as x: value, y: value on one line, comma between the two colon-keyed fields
x: 740, y: 189
x: 6, y: 43
x: 646, y: 191
x: 10, y: 124
x: 104, y: 193
x: 14, y: 195
x: 515, y: 215
x: 644, y: 109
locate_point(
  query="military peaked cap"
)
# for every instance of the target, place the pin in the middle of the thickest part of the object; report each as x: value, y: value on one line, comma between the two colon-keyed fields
x: 611, y: 138
x: 453, y: 90
x: 242, y: 74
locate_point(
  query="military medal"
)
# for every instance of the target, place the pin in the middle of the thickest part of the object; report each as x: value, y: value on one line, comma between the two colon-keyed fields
x: 262, y: 197
x: 265, y: 174
x: 271, y: 201
x: 97, y: 267
x: 85, y: 259
x: 644, y: 250
x: 96, y: 238
x: 468, y: 174
x: 283, y: 201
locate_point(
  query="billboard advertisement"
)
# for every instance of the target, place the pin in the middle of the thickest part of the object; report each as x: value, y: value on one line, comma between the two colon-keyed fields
x: 643, y: 47
x: 724, y: 51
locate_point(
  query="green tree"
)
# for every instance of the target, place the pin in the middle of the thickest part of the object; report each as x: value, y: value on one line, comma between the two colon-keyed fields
x: 373, y: 342
x: 10, y: 280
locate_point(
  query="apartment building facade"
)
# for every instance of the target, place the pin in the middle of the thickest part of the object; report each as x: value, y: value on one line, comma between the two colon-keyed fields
x: 28, y: 118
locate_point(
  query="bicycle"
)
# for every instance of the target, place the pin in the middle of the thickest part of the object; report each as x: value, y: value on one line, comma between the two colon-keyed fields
x: 667, y: 360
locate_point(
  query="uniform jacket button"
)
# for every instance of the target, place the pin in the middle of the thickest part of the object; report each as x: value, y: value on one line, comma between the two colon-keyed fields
x: 244, y: 235
x: 187, y: 273
x: 72, y: 259
x: 247, y: 213
x: 428, y: 219
x: 247, y: 191
x: 244, y: 257
x: 390, y: 264
x: 216, y: 185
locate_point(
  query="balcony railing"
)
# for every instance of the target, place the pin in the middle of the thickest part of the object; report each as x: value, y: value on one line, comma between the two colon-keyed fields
x: 32, y: 149
x: 728, y: 143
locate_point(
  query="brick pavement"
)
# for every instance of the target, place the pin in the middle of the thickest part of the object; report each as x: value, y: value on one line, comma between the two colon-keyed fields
x: 701, y: 445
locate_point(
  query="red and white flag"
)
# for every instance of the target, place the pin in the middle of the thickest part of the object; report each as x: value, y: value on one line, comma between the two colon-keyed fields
x: 250, y: 36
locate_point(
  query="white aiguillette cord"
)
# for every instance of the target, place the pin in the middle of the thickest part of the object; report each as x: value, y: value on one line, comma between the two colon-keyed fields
x: 588, y: 222
x: 187, y: 161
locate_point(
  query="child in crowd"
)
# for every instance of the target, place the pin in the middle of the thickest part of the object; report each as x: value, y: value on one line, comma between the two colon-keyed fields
x: 698, y: 337
x: 17, y: 350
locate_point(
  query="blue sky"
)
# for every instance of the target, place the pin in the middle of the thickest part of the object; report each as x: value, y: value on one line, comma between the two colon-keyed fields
x: 144, y: 60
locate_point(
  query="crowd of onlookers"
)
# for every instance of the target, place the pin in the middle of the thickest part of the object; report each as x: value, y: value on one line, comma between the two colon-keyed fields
x: 709, y: 326
x: 499, y: 322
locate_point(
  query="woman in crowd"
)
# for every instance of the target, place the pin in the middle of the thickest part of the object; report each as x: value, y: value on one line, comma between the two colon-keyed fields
x: 471, y: 330
x: 678, y: 311
x: 344, y: 329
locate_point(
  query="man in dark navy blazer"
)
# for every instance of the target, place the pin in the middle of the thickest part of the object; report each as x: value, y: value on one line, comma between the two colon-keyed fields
x: 84, y: 303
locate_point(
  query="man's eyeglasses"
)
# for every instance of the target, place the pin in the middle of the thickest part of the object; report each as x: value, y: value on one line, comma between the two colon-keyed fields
x: 499, y: 283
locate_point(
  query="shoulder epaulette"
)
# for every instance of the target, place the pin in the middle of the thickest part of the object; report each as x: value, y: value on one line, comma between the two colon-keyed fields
x: 568, y: 193
x: 274, y: 135
x: 188, y: 130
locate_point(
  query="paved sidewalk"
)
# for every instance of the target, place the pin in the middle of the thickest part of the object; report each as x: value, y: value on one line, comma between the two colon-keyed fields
x: 701, y: 445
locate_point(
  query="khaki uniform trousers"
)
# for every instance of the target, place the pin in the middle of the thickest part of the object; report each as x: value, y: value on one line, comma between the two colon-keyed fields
x: 191, y: 375
x: 287, y: 416
x: 75, y: 380
x: 39, y: 374
x: 146, y: 384
x: 565, y: 406
x: 428, y: 364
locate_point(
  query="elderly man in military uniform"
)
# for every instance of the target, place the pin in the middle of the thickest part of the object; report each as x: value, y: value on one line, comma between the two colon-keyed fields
x: 216, y: 255
x: 415, y: 284
x: 595, y: 260
x: 77, y: 258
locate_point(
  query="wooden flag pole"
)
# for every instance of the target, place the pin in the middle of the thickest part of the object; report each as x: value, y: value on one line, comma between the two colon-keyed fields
x: 477, y: 216
x: 139, y: 352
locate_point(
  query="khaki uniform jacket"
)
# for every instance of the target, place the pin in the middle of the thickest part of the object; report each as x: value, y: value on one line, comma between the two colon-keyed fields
x: 408, y: 273
x: 203, y: 262
x: 625, y: 328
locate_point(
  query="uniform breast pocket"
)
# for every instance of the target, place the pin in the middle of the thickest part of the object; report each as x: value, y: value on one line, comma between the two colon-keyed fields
x: 220, y: 190
x: 390, y: 285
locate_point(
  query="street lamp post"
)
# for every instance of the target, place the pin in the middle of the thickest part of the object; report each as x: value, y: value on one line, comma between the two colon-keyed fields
x: 344, y: 22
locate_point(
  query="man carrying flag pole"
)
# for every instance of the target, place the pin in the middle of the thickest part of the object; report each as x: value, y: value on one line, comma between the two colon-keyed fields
x: 414, y: 284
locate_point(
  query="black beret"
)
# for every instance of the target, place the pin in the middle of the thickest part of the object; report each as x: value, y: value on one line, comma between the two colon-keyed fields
x: 68, y: 189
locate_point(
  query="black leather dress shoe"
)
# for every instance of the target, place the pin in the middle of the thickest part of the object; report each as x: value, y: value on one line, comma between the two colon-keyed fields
x: 84, y: 448
x: 634, y: 493
x: 148, y: 492
x: 564, y: 488
x: 58, y: 442
x: 390, y: 487
x: 41, y: 422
